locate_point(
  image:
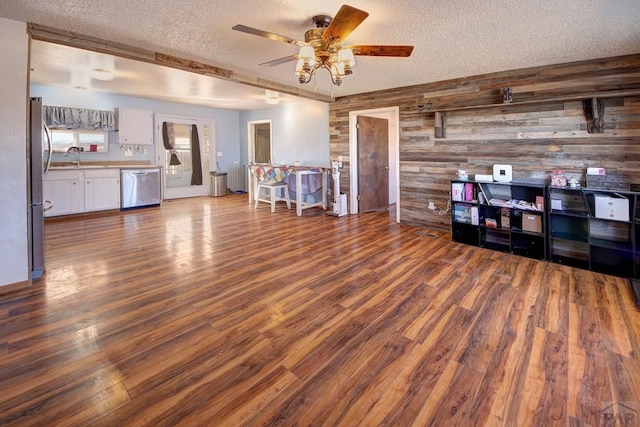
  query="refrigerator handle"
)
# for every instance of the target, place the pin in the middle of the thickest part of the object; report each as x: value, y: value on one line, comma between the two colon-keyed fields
x: 50, y: 147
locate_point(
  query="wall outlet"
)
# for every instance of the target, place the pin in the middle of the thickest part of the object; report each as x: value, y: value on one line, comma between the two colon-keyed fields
x: 432, y: 205
x: 219, y: 153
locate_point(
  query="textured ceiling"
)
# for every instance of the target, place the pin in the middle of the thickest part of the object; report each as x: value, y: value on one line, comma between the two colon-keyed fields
x: 454, y: 38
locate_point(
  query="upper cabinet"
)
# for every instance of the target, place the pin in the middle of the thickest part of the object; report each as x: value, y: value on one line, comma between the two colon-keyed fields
x: 134, y: 126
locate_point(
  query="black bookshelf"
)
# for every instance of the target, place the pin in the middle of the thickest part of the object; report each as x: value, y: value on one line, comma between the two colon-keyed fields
x: 505, y: 217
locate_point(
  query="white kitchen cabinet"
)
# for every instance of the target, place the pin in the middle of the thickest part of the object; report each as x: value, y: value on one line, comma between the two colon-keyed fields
x: 135, y: 126
x: 78, y: 191
x: 101, y: 189
x: 66, y: 190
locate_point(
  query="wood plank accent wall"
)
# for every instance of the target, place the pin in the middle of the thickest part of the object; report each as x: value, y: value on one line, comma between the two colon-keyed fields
x: 543, y: 130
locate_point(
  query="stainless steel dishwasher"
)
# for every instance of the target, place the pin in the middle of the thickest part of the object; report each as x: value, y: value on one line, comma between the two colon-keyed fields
x: 139, y: 187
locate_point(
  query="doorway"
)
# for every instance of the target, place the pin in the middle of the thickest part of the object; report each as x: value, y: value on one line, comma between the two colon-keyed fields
x: 183, y: 149
x: 392, y: 114
x: 260, y: 147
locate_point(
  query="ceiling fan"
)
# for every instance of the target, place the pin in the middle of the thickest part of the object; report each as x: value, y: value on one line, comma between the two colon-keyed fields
x: 322, y: 46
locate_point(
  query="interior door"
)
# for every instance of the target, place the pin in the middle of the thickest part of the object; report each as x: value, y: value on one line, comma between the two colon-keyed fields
x: 187, y: 175
x: 373, y: 164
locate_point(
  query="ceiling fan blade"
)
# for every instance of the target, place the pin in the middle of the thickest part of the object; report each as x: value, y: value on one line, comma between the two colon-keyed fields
x: 279, y: 61
x: 347, y: 19
x: 266, y: 34
x: 381, y: 50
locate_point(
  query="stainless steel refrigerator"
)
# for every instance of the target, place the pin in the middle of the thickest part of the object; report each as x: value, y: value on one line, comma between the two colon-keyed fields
x: 38, y: 165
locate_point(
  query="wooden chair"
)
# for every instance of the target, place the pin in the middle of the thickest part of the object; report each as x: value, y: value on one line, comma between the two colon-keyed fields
x: 277, y: 191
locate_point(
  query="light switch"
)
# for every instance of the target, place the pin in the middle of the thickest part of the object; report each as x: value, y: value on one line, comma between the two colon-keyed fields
x: 219, y: 154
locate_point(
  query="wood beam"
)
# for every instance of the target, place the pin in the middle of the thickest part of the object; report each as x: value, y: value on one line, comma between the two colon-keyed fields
x: 81, y: 41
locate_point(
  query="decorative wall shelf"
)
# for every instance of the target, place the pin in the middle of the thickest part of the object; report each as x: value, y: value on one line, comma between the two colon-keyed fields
x: 593, y: 109
x: 568, y: 98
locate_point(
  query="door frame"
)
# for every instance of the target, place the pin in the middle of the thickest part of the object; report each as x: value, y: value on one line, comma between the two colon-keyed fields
x: 251, y: 143
x: 393, y: 115
x: 205, y: 157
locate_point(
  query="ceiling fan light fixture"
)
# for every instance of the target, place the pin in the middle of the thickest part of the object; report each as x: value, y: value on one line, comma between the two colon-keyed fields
x: 322, y: 46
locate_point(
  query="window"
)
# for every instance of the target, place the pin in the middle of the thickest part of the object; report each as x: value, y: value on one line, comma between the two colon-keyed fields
x: 87, y: 140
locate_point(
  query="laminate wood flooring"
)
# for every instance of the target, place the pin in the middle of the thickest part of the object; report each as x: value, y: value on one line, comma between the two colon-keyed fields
x: 208, y: 312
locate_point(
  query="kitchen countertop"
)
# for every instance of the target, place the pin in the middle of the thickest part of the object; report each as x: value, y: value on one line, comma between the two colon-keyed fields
x: 70, y: 166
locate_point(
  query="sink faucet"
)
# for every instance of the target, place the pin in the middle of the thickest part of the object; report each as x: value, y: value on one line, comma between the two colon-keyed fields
x: 77, y: 151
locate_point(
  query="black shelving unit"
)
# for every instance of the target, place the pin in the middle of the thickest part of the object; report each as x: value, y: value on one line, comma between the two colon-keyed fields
x: 568, y: 227
x: 482, y: 216
x: 597, y: 230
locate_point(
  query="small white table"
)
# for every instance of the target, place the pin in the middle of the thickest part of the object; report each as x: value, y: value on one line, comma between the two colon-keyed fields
x: 280, y: 173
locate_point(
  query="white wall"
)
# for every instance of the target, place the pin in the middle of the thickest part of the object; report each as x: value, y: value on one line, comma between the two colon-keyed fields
x: 299, y: 132
x: 14, y: 46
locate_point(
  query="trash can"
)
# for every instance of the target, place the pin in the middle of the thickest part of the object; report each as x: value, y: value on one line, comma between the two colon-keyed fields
x: 218, y: 184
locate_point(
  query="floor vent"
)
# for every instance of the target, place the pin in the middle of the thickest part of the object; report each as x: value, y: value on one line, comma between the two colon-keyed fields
x: 426, y: 234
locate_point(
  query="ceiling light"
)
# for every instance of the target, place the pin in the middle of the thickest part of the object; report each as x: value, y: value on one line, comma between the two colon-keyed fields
x: 80, y: 80
x: 271, y: 96
x: 102, y: 67
x: 101, y: 74
x: 337, y: 60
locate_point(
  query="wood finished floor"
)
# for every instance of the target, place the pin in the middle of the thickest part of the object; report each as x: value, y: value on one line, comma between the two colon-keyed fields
x: 207, y: 312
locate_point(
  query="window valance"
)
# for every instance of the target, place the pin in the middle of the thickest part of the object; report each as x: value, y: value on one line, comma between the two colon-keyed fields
x: 78, y: 118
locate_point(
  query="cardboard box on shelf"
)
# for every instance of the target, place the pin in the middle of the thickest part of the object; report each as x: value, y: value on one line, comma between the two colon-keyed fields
x: 532, y: 223
x: 505, y: 215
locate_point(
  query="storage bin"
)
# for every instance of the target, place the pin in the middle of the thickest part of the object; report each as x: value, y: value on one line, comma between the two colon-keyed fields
x: 532, y: 222
x: 612, y: 208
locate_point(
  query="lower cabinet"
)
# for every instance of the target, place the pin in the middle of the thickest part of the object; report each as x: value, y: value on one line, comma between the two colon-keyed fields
x: 66, y: 190
x: 78, y: 191
x: 101, y: 189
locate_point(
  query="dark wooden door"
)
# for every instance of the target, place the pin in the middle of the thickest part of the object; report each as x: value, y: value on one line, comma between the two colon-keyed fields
x: 373, y: 164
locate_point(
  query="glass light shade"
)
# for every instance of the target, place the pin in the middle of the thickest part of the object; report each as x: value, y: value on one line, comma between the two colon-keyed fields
x: 307, y: 52
x: 345, y: 56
